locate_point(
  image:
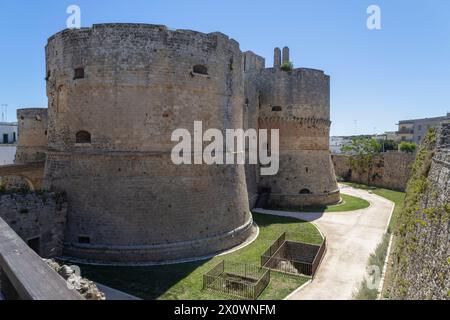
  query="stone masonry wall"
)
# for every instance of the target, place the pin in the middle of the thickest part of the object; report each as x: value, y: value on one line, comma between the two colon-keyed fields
x: 390, y: 170
x: 421, y: 256
x: 252, y: 66
x: 36, y: 216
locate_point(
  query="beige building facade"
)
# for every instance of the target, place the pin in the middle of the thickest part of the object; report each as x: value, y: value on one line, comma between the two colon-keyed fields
x: 416, y: 129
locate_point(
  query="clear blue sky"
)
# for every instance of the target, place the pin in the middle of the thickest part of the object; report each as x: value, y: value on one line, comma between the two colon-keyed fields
x: 378, y: 77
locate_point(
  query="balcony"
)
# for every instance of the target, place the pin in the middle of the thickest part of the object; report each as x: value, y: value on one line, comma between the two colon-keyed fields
x: 405, y: 131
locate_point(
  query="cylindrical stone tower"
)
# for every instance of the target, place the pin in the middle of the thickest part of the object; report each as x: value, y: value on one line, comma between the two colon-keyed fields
x: 286, y: 57
x: 116, y: 94
x: 32, y: 134
x: 298, y: 104
x: 276, y: 58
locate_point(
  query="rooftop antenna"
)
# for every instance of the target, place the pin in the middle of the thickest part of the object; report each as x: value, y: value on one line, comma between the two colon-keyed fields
x: 4, y: 111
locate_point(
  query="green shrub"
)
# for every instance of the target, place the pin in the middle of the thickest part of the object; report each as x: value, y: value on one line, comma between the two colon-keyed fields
x: 389, y: 145
x: 408, y: 147
x: 376, y: 259
x: 287, y: 66
x: 364, y: 293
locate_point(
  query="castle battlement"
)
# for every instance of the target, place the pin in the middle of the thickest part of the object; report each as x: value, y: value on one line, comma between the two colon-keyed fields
x: 152, y: 31
x: 310, y: 122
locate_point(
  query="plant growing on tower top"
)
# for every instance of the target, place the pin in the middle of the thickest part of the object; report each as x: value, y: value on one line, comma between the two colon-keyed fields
x: 287, y: 66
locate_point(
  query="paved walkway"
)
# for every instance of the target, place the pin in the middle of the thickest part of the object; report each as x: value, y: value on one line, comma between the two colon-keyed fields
x: 351, y: 237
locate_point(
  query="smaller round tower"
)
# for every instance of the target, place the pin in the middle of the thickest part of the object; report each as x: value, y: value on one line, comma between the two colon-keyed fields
x: 32, y: 134
x: 297, y: 103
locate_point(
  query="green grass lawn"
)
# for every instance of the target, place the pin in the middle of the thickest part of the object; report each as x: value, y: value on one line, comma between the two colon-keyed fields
x: 184, y: 281
x: 349, y: 203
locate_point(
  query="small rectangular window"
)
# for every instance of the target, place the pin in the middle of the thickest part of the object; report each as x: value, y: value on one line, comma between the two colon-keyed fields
x: 84, y: 240
x: 200, y: 69
x: 79, y: 73
x: 277, y: 108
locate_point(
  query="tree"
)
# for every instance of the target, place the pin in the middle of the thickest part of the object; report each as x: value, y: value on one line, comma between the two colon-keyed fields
x: 389, y: 145
x: 408, y: 147
x: 363, y: 151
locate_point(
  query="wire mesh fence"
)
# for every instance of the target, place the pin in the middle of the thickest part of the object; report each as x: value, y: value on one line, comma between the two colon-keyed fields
x: 237, y: 279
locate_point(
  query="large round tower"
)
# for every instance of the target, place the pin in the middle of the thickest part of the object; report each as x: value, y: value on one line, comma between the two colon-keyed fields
x: 116, y: 94
x: 297, y: 102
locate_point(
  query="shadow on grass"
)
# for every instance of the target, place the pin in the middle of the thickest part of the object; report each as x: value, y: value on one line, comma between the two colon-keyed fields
x: 184, y: 281
x: 312, y: 209
x: 265, y: 220
x: 349, y: 203
x: 148, y: 283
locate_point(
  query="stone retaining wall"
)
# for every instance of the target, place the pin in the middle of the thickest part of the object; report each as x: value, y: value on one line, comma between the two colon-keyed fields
x: 420, y: 259
x: 38, y: 218
x: 390, y: 170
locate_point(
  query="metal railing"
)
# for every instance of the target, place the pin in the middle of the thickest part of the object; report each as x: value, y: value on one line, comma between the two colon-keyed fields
x: 294, y: 258
x: 237, y: 279
x: 319, y: 257
x: 273, y: 249
x: 405, y: 131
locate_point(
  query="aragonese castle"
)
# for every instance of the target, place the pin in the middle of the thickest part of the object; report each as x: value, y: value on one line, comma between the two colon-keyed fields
x: 116, y: 92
